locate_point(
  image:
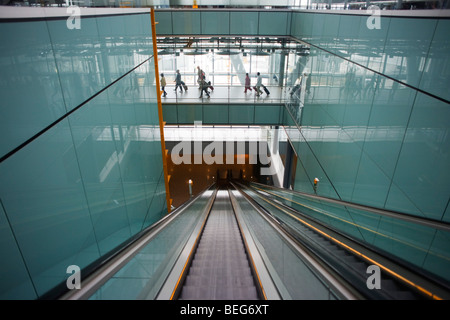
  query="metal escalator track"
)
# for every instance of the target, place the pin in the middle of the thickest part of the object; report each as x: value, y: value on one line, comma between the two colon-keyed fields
x: 220, y: 268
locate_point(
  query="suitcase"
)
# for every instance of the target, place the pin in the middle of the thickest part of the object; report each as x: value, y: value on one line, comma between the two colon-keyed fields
x: 184, y: 86
x: 266, y: 90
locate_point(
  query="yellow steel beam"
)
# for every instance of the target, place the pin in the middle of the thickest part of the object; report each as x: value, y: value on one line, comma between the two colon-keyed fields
x: 160, y: 113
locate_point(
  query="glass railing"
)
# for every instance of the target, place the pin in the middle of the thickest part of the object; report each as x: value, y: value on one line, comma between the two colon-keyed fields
x: 293, y: 276
x: 225, y: 94
x: 226, y: 87
x: 419, y: 242
x: 232, y: 66
x: 143, y: 276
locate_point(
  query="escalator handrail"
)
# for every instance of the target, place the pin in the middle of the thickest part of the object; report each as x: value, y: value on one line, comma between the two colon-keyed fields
x: 173, y: 284
x: 95, y: 274
x: 325, y: 274
x: 389, y: 213
x: 434, y: 283
x: 265, y: 284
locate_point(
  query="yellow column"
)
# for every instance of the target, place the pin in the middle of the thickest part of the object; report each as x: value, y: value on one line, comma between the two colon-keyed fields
x: 160, y: 113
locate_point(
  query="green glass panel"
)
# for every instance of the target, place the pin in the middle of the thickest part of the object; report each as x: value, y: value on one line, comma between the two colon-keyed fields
x: 422, y: 169
x: 164, y: 26
x: 80, y: 74
x: 15, y: 282
x: 435, y: 76
x: 244, y: 23
x: 241, y: 114
x: 170, y: 113
x: 189, y: 113
x: 215, y: 114
x: 267, y: 114
x: 215, y: 22
x: 47, y: 208
x: 407, y: 43
x: 387, y: 124
x: 273, y: 23
x: 94, y: 138
x: 347, y: 38
x: 371, y: 41
x: 371, y: 185
x: 29, y: 77
x: 186, y: 22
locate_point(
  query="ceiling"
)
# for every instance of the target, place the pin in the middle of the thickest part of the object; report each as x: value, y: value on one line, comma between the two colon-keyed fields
x: 229, y: 45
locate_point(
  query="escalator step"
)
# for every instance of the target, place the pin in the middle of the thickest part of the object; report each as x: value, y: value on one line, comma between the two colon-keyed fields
x: 396, y: 291
x: 241, y: 262
x: 218, y: 293
x: 203, y: 280
x: 220, y: 272
x: 225, y: 249
x: 220, y: 267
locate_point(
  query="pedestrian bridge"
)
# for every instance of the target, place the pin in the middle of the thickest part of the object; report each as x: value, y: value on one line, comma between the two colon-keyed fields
x: 226, y: 105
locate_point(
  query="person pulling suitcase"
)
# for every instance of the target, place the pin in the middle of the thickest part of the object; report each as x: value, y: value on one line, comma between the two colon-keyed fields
x: 204, y: 85
x: 178, y: 81
x: 259, y: 84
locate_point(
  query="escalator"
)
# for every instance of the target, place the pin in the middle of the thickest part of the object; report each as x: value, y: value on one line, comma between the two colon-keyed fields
x: 222, y: 263
x: 312, y: 220
x: 334, y: 254
x: 246, y: 242
x: 241, y: 255
x: 220, y: 268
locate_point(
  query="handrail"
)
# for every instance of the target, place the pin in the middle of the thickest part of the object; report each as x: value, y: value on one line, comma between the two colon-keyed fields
x: 422, y: 283
x: 109, y: 266
x: 389, y: 213
x: 325, y: 274
x: 173, y: 283
x: 265, y: 283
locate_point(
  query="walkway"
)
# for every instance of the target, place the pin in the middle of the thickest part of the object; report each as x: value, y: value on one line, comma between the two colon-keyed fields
x: 226, y: 94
